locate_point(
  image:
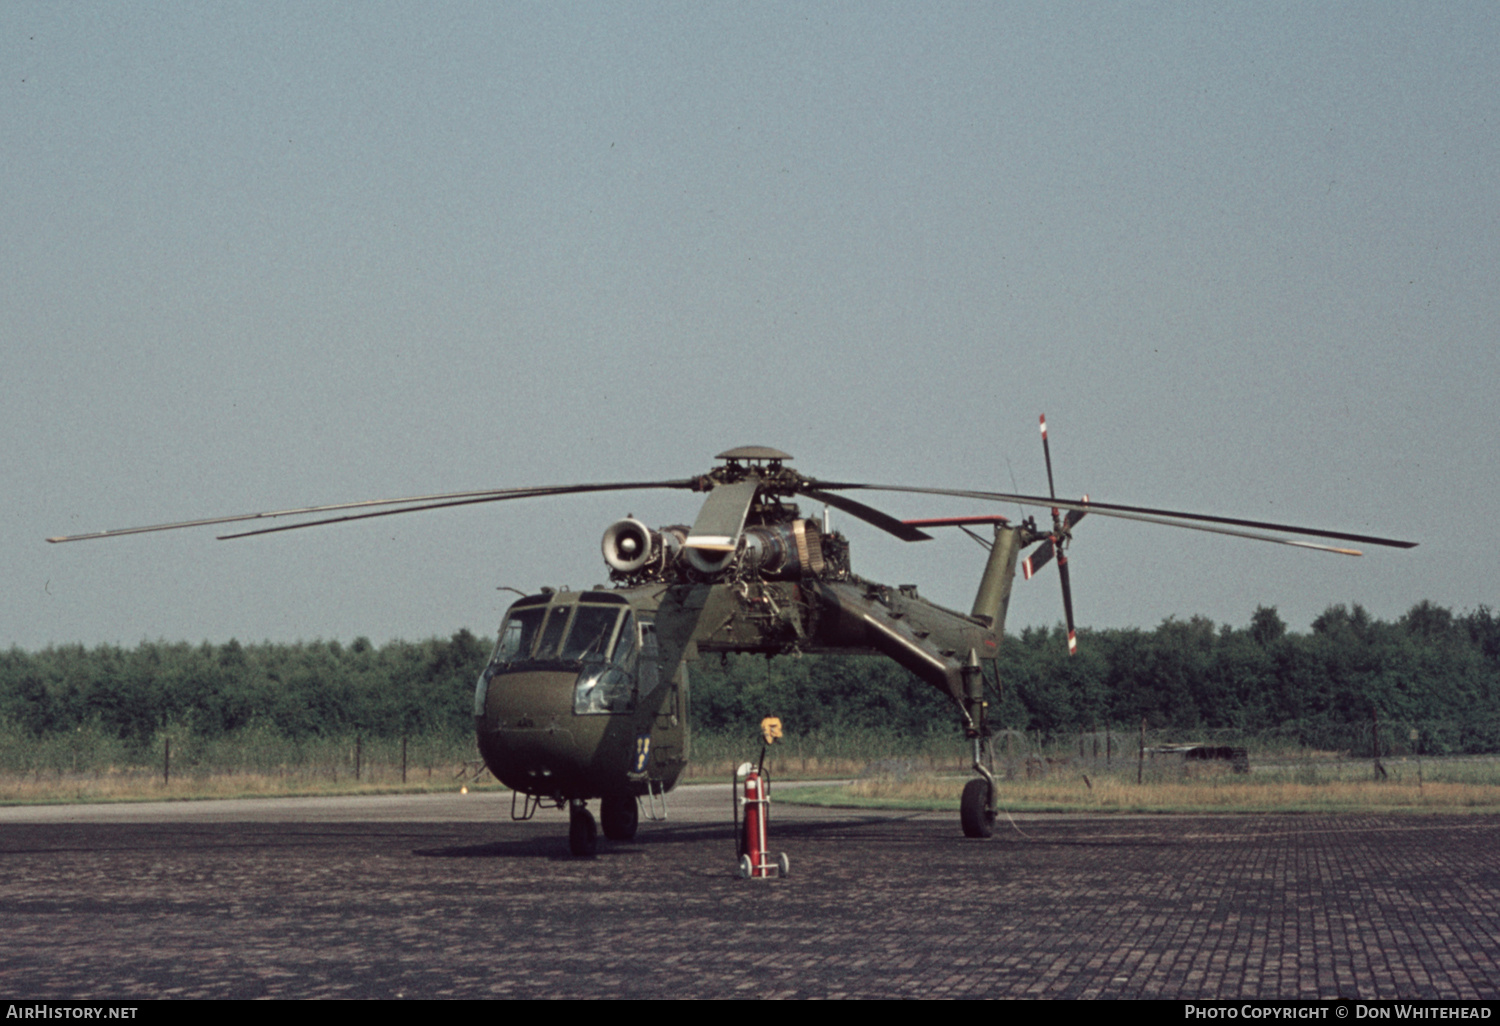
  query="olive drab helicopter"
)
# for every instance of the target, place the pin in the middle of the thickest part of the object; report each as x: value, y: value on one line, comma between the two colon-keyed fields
x: 586, y: 694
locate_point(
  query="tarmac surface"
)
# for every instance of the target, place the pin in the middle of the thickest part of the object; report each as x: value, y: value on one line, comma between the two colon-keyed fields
x: 443, y: 896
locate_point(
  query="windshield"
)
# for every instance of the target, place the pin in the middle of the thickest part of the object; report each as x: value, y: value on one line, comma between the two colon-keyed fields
x: 564, y: 632
x: 593, y: 627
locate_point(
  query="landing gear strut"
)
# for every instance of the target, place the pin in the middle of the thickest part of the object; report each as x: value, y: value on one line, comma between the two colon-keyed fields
x: 976, y: 811
x: 583, y: 833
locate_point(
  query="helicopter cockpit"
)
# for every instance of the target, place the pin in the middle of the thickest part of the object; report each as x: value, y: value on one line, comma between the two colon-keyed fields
x: 596, y: 634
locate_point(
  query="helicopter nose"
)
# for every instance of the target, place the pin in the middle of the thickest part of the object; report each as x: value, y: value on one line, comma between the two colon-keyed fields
x: 528, y: 701
x: 526, y: 732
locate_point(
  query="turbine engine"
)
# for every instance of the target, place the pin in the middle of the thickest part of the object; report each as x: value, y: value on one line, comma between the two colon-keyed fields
x: 785, y: 551
x: 631, y: 547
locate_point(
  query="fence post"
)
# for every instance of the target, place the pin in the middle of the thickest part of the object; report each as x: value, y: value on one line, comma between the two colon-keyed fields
x: 1415, y: 735
x: 166, y: 762
x: 1140, y: 762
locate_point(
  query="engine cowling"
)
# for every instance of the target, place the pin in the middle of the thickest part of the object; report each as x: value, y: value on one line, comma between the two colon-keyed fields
x: 629, y: 546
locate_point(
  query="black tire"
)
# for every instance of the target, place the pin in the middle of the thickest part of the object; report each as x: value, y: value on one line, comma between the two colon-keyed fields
x: 620, y: 817
x: 583, y: 833
x: 973, y: 810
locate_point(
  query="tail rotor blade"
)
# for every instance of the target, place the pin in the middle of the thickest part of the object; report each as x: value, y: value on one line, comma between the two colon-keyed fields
x: 1067, y: 589
x: 1061, y: 526
x: 1047, y: 454
x: 1039, y: 558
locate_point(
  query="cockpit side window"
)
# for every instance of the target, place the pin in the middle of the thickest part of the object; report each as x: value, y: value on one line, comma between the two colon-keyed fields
x: 518, y: 634
x: 648, y: 668
x: 624, y: 653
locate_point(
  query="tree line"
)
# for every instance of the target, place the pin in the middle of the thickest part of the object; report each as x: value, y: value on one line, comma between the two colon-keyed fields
x: 1430, y: 667
x: 299, y: 690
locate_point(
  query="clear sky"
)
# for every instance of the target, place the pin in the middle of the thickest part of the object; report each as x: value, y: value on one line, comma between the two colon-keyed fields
x: 259, y: 255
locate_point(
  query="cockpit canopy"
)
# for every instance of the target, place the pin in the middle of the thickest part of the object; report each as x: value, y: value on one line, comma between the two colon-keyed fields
x: 566, y: 633
x: 598, y: 635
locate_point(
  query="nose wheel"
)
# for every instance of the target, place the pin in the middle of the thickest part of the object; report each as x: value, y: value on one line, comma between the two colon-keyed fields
x: 583, y: 832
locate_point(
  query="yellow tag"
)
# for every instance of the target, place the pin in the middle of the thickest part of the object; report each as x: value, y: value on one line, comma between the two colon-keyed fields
x: 770, y: 729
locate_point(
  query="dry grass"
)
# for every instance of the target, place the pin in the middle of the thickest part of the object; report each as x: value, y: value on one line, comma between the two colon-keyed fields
x: 1444, y: 786
x: 114, y: 784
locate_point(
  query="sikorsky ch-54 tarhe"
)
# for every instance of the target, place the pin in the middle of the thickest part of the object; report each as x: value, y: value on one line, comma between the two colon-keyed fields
x: 586, y: 695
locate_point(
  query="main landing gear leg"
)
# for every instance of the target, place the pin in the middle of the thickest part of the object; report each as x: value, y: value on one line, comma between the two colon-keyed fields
x: 976, y: 811
x: 583, y: 833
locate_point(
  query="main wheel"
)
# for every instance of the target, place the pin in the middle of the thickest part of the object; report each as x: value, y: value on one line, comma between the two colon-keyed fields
x: 620, y: 817
x: 974, y: 811
x: 583, y: 834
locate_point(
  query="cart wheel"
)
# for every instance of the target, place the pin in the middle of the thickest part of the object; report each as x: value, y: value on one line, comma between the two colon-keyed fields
x: 973, y: 810
x: 746, y: 867
x: 783, y: 866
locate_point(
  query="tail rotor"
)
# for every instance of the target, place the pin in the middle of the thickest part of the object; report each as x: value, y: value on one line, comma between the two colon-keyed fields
x: 1055, y: 544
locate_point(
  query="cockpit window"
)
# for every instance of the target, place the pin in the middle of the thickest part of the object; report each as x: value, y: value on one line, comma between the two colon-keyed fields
x: 624, y: 653
x: 517, y: 635
x: 593, y: 629
x: 552, y: 633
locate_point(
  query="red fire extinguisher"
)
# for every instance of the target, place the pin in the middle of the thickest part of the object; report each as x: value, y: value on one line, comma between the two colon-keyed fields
x: 754, y: 844
x: 755, y: 860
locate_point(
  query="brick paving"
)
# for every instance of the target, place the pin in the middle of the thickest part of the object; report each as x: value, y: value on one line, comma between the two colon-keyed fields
x: 893, y: 905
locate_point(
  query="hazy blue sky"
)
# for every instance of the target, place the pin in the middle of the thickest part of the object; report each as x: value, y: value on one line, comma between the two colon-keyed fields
x: 262, y: 255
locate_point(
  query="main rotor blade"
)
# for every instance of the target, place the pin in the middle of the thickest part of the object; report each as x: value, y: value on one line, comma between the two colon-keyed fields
x: 1166, y: 517
x: 869, y: 514
x: 722, y: 517
x: 437, y: 501
x: 378, y: 513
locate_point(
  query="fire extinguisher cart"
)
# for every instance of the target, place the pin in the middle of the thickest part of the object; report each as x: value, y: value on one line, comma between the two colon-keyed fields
x: 752, y: 794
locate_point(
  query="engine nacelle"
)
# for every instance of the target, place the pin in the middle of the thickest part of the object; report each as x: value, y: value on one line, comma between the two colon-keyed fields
x: 786, y: 551
x: 629, y: 546
x: 783, y: 551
